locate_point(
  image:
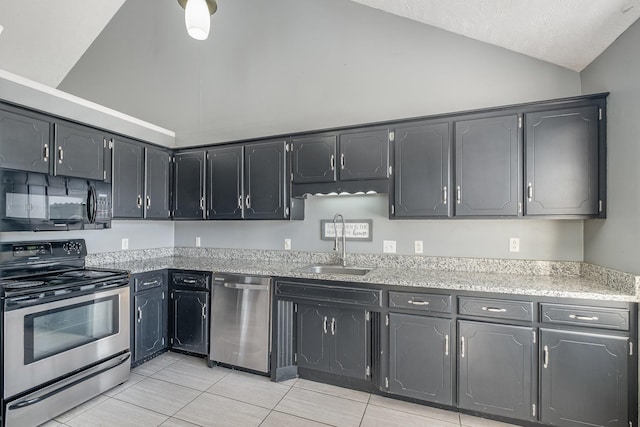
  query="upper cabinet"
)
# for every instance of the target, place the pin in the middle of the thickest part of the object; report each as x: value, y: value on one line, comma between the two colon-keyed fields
x: 225, y: 194
x: 157, y: 183
x: 562, y: 151
x: 80, y: 152
x: 188, y: 185
x: 364, y: 155
x: 25, y: 142
x: 487, y: 159
x: 314, y: 159
x: 265, y: 184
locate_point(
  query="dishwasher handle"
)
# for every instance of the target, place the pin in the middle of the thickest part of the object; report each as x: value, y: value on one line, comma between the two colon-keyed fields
x: 245, y: 286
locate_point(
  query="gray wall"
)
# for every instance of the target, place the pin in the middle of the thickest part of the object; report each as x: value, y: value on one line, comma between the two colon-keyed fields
x: 614, y: 241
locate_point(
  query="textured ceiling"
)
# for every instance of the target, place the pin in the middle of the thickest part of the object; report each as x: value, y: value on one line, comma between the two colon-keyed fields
x: 570, y: 33
x: 43, y: 39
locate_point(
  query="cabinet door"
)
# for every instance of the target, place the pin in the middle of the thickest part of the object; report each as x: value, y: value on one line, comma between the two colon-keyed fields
x: 487, y: 166
x: 422, y: 158
x: 24, y: 143
x: 350, y: 343
x: 314, y: 159
x: 188, y: 191
x: 190, y: 321
x: 79, y: 152
x: 150, y: 323
x: 265, y: 186
x: 157, y: 166
x: 313, y: 325
x: 224, y: 183
x: 420, y: 357
x: 495, y: 364
x: 562, y: 162
x: 364, y: 155
x: 127, y: 179
x: 583, y: 379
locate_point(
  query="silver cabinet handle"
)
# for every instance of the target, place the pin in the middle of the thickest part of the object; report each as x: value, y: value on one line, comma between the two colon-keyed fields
x: 342, y: 161
x: 333, y: 326
x: 446, y: 345
x: 494, y: 309
x: 545, y: 356
x: 139, y: 201
x: 46, y: 152
x: 324, y: 325
x: 139, y: 314
x: 145, y: 284
x: 148, y: 202
x: 333, y: 162
x: 204, y: 311
x: 445, y: 195
x: 246, y: 287
x: 240, y: 202
x: 578, y: 317
x: 414, y: 302
x: 202, y: 203
x: 60, y: 154
x: 192, y: 281
x: 248, y: 201
x: 458, y: 194
x: 462, y: 347
x: 530, y: 192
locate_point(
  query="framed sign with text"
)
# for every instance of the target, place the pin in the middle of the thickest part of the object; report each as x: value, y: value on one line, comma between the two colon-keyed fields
x: 356, y: 229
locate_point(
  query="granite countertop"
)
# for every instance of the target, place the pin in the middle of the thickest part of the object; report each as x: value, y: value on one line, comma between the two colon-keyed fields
x: 516, y: 284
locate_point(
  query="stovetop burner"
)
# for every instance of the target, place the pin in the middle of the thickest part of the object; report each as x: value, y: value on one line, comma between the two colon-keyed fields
x: 23, y: 284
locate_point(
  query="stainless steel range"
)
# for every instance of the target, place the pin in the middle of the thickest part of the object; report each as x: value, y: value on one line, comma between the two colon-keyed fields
x: 65, y: 329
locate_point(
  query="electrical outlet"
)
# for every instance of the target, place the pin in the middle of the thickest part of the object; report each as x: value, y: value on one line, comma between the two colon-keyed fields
x: 287, y: 244
x: 418, y: 247
x: 198, y: 242
x: 514, y: 244
x: 389, y: 246
x: 125, y: 243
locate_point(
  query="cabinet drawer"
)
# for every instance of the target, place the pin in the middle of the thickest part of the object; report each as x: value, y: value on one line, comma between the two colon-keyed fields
x: 608, y: 318
x: 496, y: 308
x: 419, y: 301
x: 330, y: 293
x: 192, y: 280
x: 147, y: 281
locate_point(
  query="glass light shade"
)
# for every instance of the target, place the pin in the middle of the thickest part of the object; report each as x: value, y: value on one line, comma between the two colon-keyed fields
x: 197, y: 19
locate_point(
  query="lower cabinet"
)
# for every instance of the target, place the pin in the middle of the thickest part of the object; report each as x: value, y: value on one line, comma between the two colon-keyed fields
x: 333, y: 340
x: 149, y: 315
x: 583, y: 379
x: 496, y: 372
x: 420, y: 357
x: 190, y: 320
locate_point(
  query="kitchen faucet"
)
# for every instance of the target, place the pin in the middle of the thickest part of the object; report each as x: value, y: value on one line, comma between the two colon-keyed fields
x: 344, y: 238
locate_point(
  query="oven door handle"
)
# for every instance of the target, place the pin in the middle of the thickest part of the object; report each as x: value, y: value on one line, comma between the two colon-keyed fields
x: 25, y: 403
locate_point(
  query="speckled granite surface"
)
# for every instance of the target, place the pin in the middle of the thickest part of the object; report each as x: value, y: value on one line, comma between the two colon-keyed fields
x: 541, y: 278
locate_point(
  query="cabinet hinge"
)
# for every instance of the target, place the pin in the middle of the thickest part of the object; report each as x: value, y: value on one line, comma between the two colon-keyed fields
x: 599, y: 205
x: 519, y: 207
x: 392, y: 136
x: 291, y: 177
x: 390, y: 170
x: 599, y: 113
x: 111, y: 144
x: 386, y: 320
x: 367, y: 316
x: 533, y: 409
x: 386, y: 382
x: 286, y: 211
x: 368, y: 371
x: 630, y: 349
x: 295, y: 357
x: 286, y: 147
x: 171, y: 341
x: 104, y: 174
x: 393, y: 210
x: 519, y: 122
x: 104, y: 142
x: 171, y: 295
x: 173, y: 159
x: 534, y: 337
x: 295, y: 308
x: 162, y: 341
x: 163, y: 297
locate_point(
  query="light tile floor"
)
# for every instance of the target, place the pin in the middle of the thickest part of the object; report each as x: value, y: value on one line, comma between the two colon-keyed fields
x: 181, y: 391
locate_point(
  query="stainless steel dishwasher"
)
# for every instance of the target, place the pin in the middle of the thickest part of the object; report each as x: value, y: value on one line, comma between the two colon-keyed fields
x: 240, y: 321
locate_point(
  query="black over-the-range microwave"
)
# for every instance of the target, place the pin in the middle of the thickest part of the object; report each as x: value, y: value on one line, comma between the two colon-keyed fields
x: 40, y: 202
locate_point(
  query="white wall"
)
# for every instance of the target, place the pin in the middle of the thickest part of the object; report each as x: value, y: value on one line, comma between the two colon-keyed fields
x: 614, y: 242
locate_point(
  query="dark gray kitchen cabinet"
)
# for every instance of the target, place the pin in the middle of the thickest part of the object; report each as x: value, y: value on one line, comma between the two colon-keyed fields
x: 25, y: 142
x: 157, y: 183
x: 128, y: 179
x: 149, y: 318
x: 562, y: 153
x: 333, y: 340
x: 190, y: 320
x: 188, y: 185
x: 80, y: 152
x: 487, y: 162
x: 265, y: 183
x: 583, y: 379
x: 314, y: 158
x: 420, y: 357
x: 496, y: 372
x: 364, y: 155
x: 422, y: 171
x: 225, y: 196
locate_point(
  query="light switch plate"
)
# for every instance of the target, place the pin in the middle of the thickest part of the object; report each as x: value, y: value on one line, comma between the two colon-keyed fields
x: 125, y: 243
x: 389, y: 246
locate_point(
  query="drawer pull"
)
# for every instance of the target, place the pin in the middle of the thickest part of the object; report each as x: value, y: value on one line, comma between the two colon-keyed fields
x: 494, y: 309
x: 145, y: 284
x: 414, y: 302
x: 191, y: 281
x: 578, y: 317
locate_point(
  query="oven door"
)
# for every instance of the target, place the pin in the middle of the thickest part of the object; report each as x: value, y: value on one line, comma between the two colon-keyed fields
x: 46, y: 341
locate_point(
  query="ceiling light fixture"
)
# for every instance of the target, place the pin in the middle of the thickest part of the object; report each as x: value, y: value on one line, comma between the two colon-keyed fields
x: 197, y: 17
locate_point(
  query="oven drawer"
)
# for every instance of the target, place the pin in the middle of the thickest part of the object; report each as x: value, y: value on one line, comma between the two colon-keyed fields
x: 142, y: 282
x: 595, y: 317
x: 419, y: 301
x: 190, y: 279
x: 496, y: 308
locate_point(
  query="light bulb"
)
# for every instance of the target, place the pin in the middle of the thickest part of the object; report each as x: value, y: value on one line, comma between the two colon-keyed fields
x: 197, y: 19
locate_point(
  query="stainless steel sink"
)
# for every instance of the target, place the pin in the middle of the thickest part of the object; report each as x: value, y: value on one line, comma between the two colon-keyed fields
x: 334, y: 269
